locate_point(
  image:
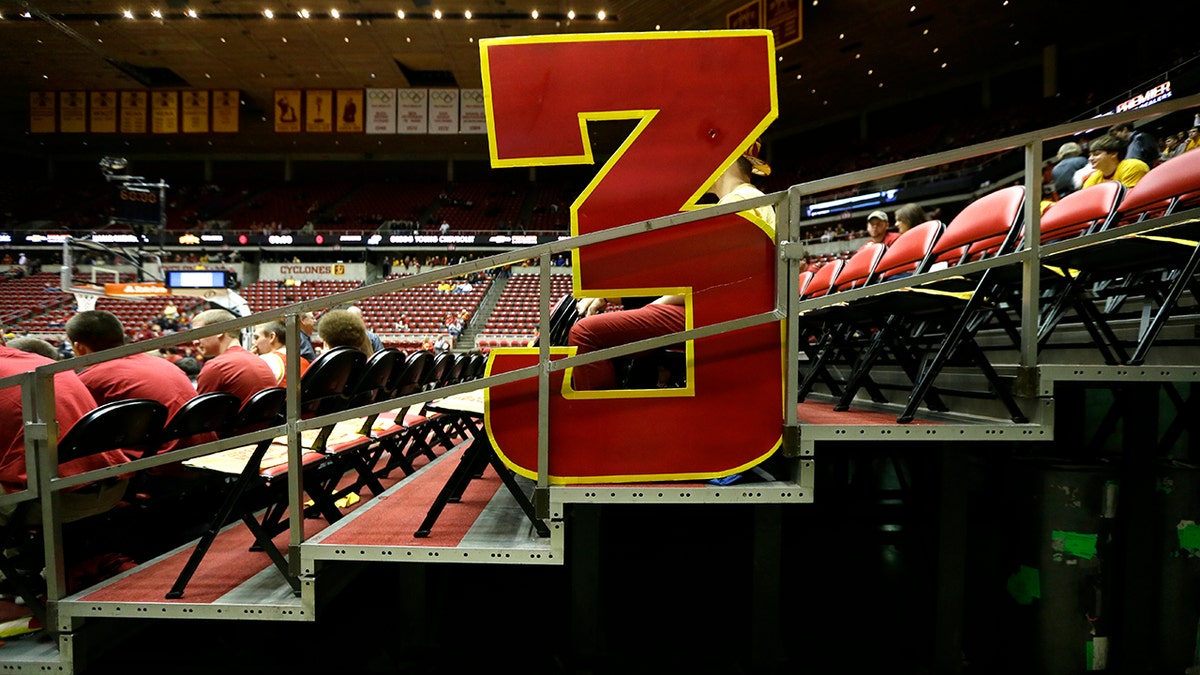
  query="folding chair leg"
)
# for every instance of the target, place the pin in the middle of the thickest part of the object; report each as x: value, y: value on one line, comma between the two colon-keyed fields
x: 218, y: 521
x: 268, y: 546
x: 1164, y: 310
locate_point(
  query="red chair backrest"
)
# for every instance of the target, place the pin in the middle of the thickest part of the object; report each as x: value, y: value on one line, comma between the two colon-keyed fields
x: 983, y: 228
x: 859, y: 269
x: 822, y: 279
x: 1084, y: 211
x: 1162, y: 185
x: 805, y: 279
x: 910, y: 251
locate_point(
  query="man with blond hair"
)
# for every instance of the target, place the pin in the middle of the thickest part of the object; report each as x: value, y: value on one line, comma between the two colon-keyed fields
x: 228, y: 367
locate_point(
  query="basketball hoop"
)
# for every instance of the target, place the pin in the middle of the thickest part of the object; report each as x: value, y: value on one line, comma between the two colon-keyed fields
x: 85, y: 302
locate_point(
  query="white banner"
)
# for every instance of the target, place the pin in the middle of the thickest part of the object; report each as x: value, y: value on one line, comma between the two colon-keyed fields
x: 413, y: 113
x: 381, y: 111
x: 472, y: 115
x: 312, y: 271
x: 443, y: 111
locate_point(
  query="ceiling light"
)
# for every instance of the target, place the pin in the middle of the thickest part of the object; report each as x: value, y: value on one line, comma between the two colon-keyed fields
x: 207, y: 76
x: 335, y: 14
x: 601, y: 15
x: 857, y: 57
x: 534, y: 14
x: 192, y: 14
x: 1017, y: 43
x: 944, y: 65
x: 222, y: 40
x: 471, y: 40
x: 815, y: 2
x: 45, y: 77
x: 841, y: 36
x: 346, y: 39
x: 871, y: 71
x: 303, y: 14
x: 27, y: 15
x: 156, y: 14
x: 284, y: 39
x: 467, y: 14
x: 408, y: 39
x: 571, y: 14
x: 128, y: 14
x: 100, y: 40
x: 798, y: 76
x: 318, y: 75
x: 399, y: 14
x: 925, y: 32
x: 372, y: 76
x: 935, y: 49
x: 657, y: 26
x: 913, y: 8
x: 881, y: 85
x: 437, y: 13
x: 269, y: 14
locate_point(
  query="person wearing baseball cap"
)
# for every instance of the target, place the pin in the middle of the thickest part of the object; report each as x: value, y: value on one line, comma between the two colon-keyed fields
x: 1068, y: 160
x: 877, y: 229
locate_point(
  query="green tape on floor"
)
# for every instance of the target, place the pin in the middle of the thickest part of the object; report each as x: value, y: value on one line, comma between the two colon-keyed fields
x: 1189, y: 536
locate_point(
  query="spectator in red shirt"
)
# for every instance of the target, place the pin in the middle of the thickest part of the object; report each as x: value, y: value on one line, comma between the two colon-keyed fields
x: 228, y: 367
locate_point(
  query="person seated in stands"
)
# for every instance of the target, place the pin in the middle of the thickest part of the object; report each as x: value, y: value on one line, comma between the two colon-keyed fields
x: 270, y: 343
x: 228, y: 367
x: 1141, y: 145
x: 597, y: 329
x: 343, y: 328
x: 909, y: 216
x: 35, y: 346
x: 1068, y: 160
x: 72, y: 400
x: 307, y: 325
x: 877, y: 229
x: 376, y: 343
x: 1104, y: 154
x: 135, y: 376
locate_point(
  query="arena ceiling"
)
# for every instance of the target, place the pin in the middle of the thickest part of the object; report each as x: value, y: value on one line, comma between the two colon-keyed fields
x: 855, y: 55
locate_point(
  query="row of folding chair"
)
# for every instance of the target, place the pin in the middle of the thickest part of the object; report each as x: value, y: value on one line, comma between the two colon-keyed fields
x: 918, y: 328
x: 339, y: 379
x: 1158, y: 265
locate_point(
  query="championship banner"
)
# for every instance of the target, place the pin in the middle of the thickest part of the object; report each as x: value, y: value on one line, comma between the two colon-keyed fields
x: 102, y: 111
x: 72, y: 112
x: 42, y: 112
x: 318, y: 111
x: 782, y: 17
x: 413, y: 110
x: 443, y: 111
x: 195, y: 112
x: 133, y: 111
x: 164, y: 112
x: 225, y: 107
x: 472, y: 112
x: 381, y: 111
x: 287, y: 111
x: 349, y: 111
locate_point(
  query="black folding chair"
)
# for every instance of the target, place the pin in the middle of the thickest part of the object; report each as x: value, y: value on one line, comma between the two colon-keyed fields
x: 262, y: 410
x: 132, y: 424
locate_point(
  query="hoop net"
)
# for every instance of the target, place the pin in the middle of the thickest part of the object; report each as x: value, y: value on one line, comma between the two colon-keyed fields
x: 85, y: 298
x: 85, y: 302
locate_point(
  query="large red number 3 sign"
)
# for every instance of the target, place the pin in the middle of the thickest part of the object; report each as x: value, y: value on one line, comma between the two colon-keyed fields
x: 699, y: 99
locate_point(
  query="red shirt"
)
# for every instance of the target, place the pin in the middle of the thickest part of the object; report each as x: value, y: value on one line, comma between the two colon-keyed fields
x: 71, y: 402
x: 142, y: 376
x: 237, y: 371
